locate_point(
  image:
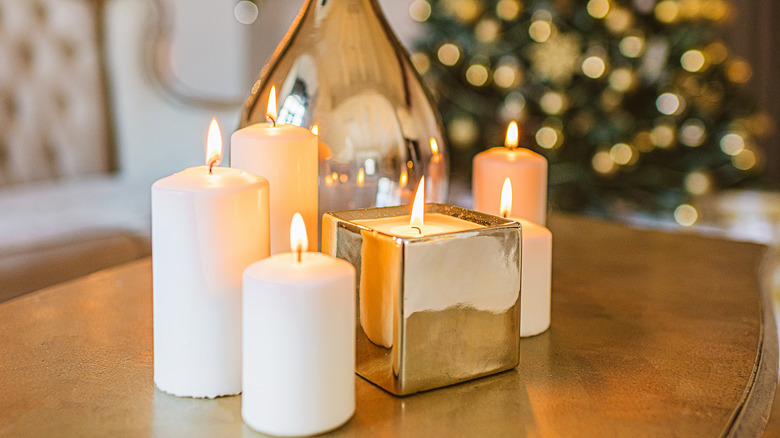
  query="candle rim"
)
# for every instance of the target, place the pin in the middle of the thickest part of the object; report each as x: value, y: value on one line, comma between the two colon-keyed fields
x: 482, y: 220
x: 198, y: 179
x: 319, y: 266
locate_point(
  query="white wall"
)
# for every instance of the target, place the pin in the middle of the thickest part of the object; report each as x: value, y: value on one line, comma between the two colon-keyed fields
x: 212, y: 54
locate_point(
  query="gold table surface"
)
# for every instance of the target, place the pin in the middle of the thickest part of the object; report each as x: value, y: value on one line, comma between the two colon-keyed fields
x: 653, y: 334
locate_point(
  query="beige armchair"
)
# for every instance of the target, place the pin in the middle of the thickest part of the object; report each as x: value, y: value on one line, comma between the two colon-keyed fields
x: 55, y: 128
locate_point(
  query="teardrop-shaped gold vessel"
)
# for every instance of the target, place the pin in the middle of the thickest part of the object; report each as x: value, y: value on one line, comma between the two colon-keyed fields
x: 340, y: 67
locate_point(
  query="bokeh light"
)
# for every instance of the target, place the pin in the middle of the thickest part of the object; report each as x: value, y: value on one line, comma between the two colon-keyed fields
x: 594, y: 67
x: 246, y: 12
x: 449, y: 54
x: 420, y: 10
x: 686, y: 215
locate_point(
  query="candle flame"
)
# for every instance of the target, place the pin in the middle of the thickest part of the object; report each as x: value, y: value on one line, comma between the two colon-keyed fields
x: 270, y: 112
x: 418, y: 207
x: 299, y: 241
x: 512, y: 135
x: 404, y: 179
x: 506, y: 198
x: 213, y: 145
x: 361, y: 178
x: 315, y: 130
x: 434, y: 147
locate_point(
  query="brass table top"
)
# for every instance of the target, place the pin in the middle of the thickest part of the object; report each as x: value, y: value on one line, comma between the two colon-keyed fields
x: 653, y: 334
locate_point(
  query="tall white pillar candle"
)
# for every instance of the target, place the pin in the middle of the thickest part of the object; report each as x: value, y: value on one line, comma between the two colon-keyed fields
x: 287, y: 156
x: 535, y: 288
x: 299, y: 344
x: 528, y: 172
x: 207, y: 227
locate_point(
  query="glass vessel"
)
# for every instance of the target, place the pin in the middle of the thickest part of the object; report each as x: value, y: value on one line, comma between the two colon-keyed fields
x: 341, y: 68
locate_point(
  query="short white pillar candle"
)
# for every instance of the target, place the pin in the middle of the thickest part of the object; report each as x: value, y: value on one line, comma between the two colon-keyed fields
x: 299, y: 342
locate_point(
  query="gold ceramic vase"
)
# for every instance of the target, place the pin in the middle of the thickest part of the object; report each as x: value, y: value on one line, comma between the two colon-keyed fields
x: 340, y: 67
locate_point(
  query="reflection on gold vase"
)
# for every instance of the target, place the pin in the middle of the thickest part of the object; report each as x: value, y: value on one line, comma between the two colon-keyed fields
x: 341, y: 68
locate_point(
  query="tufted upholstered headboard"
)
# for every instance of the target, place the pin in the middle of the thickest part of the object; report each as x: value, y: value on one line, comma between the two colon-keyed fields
x: 54, y: 114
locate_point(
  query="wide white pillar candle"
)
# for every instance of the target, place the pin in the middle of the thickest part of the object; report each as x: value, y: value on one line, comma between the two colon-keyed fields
x: 528, y: 172
x: 299, y: 344
x: 206, y: 229
x: 287, y: 156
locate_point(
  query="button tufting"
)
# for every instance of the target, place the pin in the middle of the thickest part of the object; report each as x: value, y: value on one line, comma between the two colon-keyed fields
x: 60, y: 102
x: 53, y: 116
x: 10, y: 106
x: 25, y: 54
x: 68, y: 49
x: 39, y: 10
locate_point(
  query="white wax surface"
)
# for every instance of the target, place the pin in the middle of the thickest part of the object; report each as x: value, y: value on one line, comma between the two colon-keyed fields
x: 299, y: 344
x: 528, y: 172
x: 206, y: 228
x: 434, y: 223
x: 535, y: 293
x: 287, y: 156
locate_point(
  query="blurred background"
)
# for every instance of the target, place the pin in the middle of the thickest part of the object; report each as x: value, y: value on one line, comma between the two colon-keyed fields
x: 657, y: 112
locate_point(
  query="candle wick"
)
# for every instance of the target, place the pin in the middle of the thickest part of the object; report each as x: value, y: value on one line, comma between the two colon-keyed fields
x: 299, y: 249
x: 419, y: 230
x: 211, y: 166
x: 272, y: 119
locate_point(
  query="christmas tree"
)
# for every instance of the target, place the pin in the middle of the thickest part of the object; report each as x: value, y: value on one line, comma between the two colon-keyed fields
x: 637, y: 104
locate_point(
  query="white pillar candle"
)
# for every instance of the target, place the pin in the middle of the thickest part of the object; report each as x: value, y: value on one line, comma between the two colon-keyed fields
x: 436, y: 171
x: 287, y: 156
x: 299, y: 342
x: 528, y: 172
x: 208, y: 225
x: 535, y: 289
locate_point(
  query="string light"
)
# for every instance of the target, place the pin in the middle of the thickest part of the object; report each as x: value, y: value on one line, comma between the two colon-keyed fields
x: 540, y: 31
x: 420, y: 10
x: 598, y: 8
x: 669, y: 103
x: 421, y: 62
x: 548, y: 137
x: 692, y: 60
x: 692, y: 133
x: 667, y: 11
x: 506, y: 76
x: 602, y: 163
x: 621, y: 79
x: 697, y: 183
x: 686, y: 215
x: 745, y: 160
x: 622, y: 154
x: 662, y: 136
x: 594, y: 67
x: 449, y: 54
x: 618, y: 20
x: 732, y: 144
x: 477, y: 75
x: 552, y: 102
x: 487, y: 30
x: 508, y: 9
x: 632, y: 46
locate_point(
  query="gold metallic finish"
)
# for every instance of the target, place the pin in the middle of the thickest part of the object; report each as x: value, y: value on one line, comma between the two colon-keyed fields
x: 432, y: 310
x: 342, y: 68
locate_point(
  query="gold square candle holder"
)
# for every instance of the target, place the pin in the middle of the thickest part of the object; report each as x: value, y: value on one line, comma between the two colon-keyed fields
x: 437, y: 308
